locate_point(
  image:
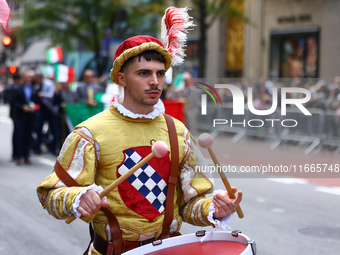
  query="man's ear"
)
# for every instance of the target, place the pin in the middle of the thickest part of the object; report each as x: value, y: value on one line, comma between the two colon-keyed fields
x: 121, y: 79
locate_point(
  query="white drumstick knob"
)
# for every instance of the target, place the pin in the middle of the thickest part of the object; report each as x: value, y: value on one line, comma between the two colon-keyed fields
x: 159, y: 149
x: 205, y: 140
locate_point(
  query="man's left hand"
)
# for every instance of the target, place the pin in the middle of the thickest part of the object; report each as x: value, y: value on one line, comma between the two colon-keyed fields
x: 224, y: 205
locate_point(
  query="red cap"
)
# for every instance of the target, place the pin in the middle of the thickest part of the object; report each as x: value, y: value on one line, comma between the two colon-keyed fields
x: 135, y: 41
x: 134, y: 46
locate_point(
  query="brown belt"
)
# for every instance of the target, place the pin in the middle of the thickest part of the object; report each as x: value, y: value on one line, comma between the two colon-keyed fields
x: 102, y: 245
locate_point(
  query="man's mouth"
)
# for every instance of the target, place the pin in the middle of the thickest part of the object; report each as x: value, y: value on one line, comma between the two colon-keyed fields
x: 153, y: 93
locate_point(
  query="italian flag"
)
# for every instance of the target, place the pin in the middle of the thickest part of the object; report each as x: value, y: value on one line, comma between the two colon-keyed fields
x: 48, y: 71
x: 63, y: 73
x: 54, y: 55
x: 105, y: 98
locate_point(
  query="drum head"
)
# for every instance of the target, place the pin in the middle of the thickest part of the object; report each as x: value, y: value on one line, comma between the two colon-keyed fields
x: 198, y: 248
x: 218, y: 243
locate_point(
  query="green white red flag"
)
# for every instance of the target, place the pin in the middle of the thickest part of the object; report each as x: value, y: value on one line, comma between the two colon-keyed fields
x: 5, y: 13
x: 54, y: 55
x: 48, y: 71
x: 63, y: 73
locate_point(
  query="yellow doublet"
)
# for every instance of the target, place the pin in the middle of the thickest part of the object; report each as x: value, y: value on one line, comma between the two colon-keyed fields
x: 94, y: 155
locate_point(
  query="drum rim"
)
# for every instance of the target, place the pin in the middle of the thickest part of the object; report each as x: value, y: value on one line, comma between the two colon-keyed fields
x: 192, y: 238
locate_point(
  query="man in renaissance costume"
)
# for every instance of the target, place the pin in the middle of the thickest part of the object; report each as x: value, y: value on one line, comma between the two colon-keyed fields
x: 107, y: 145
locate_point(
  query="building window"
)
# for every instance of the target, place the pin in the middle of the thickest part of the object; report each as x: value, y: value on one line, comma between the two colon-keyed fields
x: 294, y: 54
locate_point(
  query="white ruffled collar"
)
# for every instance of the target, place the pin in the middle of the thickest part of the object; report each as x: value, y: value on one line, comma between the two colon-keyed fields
x: 158, y: 109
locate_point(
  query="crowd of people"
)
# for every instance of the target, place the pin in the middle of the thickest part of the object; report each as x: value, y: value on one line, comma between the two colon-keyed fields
x: 37, y: 111
x: 37, y: 105
x: 324, y: 95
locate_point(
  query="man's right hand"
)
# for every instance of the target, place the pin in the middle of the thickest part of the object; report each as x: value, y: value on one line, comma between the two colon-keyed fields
x: 89, y: 203
x: 91, y: 103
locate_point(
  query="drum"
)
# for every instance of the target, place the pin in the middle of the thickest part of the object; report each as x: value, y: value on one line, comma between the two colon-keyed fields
x: 219, y: 242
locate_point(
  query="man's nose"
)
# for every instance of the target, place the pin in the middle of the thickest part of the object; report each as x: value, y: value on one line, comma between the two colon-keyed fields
x: 154, y: 80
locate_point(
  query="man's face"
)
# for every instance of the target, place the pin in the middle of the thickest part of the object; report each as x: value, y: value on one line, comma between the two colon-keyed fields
x: 27, y: 77
x: 89, y: 76
x: 143, y: 82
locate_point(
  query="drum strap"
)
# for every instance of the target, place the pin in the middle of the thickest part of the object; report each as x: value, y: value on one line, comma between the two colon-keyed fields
x: 172, y: 181
x: 117, y: 241
x: 116, y: 232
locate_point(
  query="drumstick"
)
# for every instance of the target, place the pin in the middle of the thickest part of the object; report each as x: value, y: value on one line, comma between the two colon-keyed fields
x: 205, y: 140
x: 158, y: 149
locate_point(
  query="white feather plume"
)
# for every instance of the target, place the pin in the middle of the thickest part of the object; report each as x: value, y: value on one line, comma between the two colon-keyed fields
x: 175, y: 25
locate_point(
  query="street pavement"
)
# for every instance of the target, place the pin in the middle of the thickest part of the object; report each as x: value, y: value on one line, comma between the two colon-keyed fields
x: 284, y: 214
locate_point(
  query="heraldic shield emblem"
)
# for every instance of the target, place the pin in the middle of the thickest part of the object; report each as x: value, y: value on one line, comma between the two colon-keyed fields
x: 144, y: 192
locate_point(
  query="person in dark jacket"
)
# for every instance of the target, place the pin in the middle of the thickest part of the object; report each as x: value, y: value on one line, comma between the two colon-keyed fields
x: 49, y: 112
x: 87, y: 90
x: 8, y: 98
x: 24, y: 107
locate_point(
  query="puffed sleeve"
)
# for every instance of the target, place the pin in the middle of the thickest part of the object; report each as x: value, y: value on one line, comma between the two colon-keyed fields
x: 78, y: 157
x: 194, y: 206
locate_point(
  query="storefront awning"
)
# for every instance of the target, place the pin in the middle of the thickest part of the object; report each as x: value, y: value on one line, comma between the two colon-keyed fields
x: 36, y: 52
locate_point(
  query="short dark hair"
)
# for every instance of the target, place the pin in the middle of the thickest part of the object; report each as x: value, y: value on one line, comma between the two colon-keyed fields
x: 148, y: 55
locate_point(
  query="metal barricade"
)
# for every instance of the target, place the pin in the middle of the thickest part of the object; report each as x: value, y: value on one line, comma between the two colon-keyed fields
x: 307, y: 130
x: 331, y: 130
x: 225, y: 114
x: 321, y: 128
x: 205, y: 122
x: 263, y: 126
x: 221, y: 119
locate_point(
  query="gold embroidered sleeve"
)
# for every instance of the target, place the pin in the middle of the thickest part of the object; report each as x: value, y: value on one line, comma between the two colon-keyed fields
x: 193, y: 188
x: 196, y: 211
x: 78, y: 158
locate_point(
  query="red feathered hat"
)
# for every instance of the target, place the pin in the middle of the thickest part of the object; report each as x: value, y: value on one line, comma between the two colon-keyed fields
x: 175, y: 23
